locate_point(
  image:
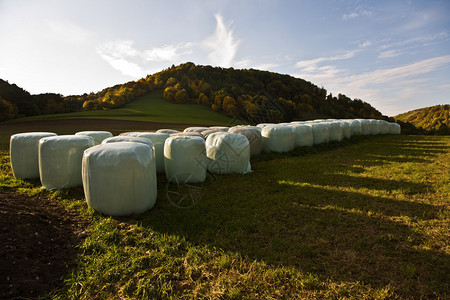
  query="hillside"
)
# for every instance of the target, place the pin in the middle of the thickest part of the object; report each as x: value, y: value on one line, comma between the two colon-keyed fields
x: 430, y: 120
x: 248, y: 94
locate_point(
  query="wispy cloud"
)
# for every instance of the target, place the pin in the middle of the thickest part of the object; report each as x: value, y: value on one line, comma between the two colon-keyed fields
x: 124, y: 57
x: 222, y: 44
x: 311, y: 64
x: 359, y: 12
x: 400, y: 82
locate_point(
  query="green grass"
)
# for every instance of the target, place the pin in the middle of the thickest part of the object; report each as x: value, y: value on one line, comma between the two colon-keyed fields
x: 364, y: 219
x: 149, y: 108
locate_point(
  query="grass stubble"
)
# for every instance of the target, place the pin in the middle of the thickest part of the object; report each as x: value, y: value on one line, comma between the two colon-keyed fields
x: 365, y: 219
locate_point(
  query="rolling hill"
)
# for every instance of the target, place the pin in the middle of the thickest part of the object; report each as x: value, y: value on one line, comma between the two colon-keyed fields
x: 252, y: 95
x: 428, y: 120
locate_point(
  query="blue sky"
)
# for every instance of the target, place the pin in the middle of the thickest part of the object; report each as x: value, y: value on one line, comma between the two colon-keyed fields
x: 393, y: 54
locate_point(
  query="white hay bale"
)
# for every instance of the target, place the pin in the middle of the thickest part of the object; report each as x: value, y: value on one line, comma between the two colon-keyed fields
x: 374, y: 127
x: 228, y: 153
x: 346, y: 130
x: 220, y: 128
x: 195, y: 129
x: 169, y: 131
x: 60, y: 160
x: 98, y: 136
x: 206, y: 133
x: 355, y: 127
x: 303, y: 134
x: 193, y: 134
x: 394, y: 128
x: 262, y: 125
x: 320, y: 132
x: 119, y: 179
x: 24, y: 153
x: 365, y: 126
x: 158, y: 140
x: 335, y: 131
x: 253, y: 135
x: 383, y: 126
x: 135, y: 139
x: 185, y: 159
x: 278, y: 138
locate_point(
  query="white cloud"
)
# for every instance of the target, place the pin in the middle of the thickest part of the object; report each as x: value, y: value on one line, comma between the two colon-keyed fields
x: 389, y: 54
x: 222, y: 45
x: 356, y: 14
x: 265, y: 66
x: 399, y: 83
x: 124, y: 57
x: 167, y: 52
x: 312, y: 63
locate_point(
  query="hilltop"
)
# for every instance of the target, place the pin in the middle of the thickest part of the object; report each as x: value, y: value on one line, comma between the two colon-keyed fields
x: 252, y: 95
x: 429, y: 120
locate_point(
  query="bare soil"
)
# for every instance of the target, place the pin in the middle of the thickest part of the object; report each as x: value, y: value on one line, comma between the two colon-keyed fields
x: 38, y: 241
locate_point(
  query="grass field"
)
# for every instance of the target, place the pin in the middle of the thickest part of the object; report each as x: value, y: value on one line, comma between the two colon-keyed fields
x: 149, y: 108
x: 364, y: 219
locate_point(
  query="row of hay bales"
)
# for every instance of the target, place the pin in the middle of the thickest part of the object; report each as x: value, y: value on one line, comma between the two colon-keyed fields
x: 119, y: 174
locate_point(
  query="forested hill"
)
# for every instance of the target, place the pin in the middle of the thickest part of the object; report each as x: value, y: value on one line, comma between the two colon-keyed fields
x: 252, y: 95
x: 431, y: 120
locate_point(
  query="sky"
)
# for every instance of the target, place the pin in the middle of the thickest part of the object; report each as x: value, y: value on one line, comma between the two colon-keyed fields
x: 393, y: 54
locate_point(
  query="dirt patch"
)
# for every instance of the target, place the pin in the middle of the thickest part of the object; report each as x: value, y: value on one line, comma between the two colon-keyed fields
x: 38, y: 241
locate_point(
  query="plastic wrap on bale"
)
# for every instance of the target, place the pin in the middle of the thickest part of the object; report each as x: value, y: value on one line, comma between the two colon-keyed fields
x: 320, y: 132
x: 60, y: 160
x: 195, y: 129
x: 98, y: 136
x: 394, y: 128
x: 185, y: 159
x: 303, y: 135
x: 277, y: 138
x: 228, y: 153
x: 24, y: 153
x: 169, y: 131
x: 134, y: 139
x: 119, y: 179
x: 253, y: 134
x: 158, y: 140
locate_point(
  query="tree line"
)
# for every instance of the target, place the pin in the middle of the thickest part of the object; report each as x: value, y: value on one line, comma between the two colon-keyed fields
x: 252, y: 95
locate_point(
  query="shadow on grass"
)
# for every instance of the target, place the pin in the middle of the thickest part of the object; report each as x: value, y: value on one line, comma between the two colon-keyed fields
x: 296, y: 214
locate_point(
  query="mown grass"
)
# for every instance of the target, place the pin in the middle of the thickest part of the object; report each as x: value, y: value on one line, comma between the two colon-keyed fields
x: 364, y: 219
x: 150, y: 108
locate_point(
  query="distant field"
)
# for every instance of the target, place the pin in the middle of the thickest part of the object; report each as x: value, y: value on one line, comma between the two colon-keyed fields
x: 364, y: 219
x: 149, y: 108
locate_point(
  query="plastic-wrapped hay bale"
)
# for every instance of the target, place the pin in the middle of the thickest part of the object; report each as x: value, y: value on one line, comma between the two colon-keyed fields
x: 303, y: 135
x: 394, y: 128
x: 320, y: 132
x: 60, y: 160
x: 278, y: 138
x: 169, y: 131
x: 334, y: 131
x: 194, y: 134
x: 119, y: 179
x: 262, y: 125
x: 346, y: 131
x: 383, y: 126
x: 206, y: 133
x: 158, y: 140
x: 185, y: 159
x: 355, y: 127
x: 98, y: 136
x: 24, y: 153
x: 253, y: 135
x: 365, y: 126
x: 135, y: 139
x: 374, y: 127
x: 228, y: 153
x: 220, y: 128
x: 195, y: 129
